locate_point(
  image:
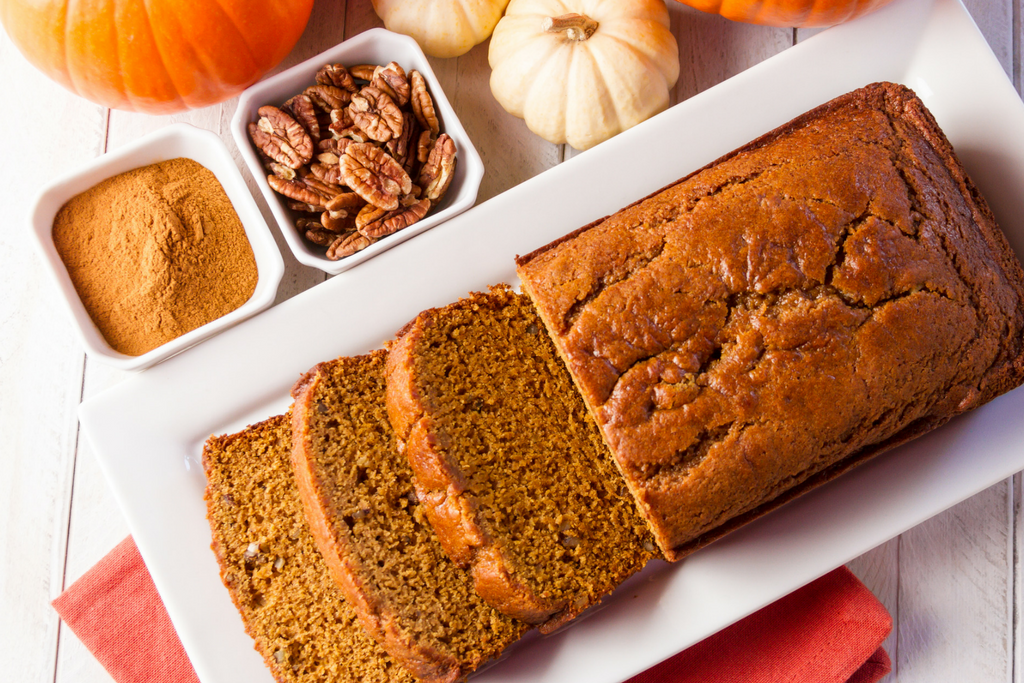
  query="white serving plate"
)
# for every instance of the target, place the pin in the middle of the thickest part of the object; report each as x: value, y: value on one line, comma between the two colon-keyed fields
x: 376, y: 46
x: 171, y: 142
x: 148, y: 432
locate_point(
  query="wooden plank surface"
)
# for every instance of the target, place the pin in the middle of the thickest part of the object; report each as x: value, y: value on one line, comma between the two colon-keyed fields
x: 952, y: 584
x: 40, y: 368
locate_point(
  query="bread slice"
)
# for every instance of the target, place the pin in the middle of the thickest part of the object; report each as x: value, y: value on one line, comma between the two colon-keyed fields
x: 510, y: 468
x: 289, y: 603
x: 359, y: 498
x: 830, y: 290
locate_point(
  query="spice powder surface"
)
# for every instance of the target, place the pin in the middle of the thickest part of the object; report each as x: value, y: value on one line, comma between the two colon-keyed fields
x: 154, y: 253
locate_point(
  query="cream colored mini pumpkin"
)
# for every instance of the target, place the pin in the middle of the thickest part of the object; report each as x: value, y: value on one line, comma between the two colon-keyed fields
x: 581, y: 71
x: 443, y: 28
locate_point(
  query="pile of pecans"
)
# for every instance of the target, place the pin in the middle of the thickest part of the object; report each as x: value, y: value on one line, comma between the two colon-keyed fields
x: 348, y: 149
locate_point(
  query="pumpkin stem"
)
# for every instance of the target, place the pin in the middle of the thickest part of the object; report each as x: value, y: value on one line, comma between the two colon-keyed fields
x: 577, y: 27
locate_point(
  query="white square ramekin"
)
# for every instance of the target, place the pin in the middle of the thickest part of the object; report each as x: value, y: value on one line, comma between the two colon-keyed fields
x: 178, y: 140
x: 376, y: 46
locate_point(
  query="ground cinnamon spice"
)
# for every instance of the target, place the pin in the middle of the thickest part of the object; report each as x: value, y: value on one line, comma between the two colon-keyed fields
x: 154, y: 253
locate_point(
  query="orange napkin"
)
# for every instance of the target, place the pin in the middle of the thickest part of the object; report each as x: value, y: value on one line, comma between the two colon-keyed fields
x: 826, y: 632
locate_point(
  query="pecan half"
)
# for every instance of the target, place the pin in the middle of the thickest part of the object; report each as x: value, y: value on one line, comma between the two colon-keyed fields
x: 423, y: 104
x: 324, y: 189
x: 436, y: 174
x: 353, y: 133
x: 346, y: 201
x: 301, y: 109
x: 392, y: 80
x: 399, y: 219
x: 318, y: 234
x: 338, y: 76
x: 376, y: 114
x: 333, y: 145
x: 302, y: 207
x: 401, y: 147
x: 272, y: 148
x: 281, y: 171
x: 363, y: 72
x: 328, y: 173
x: 328, y: 97
x: 369, y: 214
x: 338, y: 224
x: 283, y: 139
x: 346, y: 245
x: 297, y: 189
x: 374, y: 175
x: 423, y: 147
x: 328, y: 158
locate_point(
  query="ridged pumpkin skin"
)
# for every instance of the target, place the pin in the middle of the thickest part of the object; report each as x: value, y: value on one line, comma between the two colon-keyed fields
x: 159, y: 56
x: 443, y: 28
x: 584, y: 92
x: 796, y: 13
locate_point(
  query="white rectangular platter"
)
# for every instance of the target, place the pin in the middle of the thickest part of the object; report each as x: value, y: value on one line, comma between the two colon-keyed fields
x: 148, y: 432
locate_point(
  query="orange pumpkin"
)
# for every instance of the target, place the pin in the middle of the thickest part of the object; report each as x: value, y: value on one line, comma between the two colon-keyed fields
x: 801, y: 13
x: 155, y: 56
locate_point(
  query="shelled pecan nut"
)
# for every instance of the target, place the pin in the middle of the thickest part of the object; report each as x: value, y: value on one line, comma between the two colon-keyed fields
x: 295, y: 189
x: 362, y: 72
x: 374, y: 175
x: 349, y: 202
x: 424, y: 145
x: 423, y: 104
x: 393, y: 221
x: 392, y: 80
x: 337, y: 223
x: 285, y: 140
x: 401, y: 147
x: 376, y: 114
x: 328, y: 97
x: 301, y: 109
x: 436, y: 175
x: 346, y: 245
x: 369, y: 214
x: 328, y: 173
x: 303, y: 207
x: 338, y: 76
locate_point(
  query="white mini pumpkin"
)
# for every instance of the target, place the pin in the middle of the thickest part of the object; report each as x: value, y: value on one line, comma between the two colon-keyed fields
x: 581, y: 71
x: 443, y: 28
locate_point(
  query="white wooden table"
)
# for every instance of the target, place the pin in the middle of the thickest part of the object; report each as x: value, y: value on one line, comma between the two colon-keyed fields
x: 952, y: 584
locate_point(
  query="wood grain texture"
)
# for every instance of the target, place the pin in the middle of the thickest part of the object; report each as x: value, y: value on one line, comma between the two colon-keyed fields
x: 955, y: 593
x: 878, y: 569
x: 40, y: 367
x: 712, y: 49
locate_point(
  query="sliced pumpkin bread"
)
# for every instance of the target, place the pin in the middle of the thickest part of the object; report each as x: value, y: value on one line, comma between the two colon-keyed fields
x: 360, y: 500
x: 510, y: 468
x: 289, y: 603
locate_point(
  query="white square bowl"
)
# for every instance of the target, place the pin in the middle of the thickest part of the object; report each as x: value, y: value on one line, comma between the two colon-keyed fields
x: 178, y: 140
x: 376, y: 46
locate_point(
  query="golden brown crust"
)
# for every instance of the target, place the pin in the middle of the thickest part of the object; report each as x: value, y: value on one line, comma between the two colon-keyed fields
x: 712, y: 326
x: 441, y: 486
x: 426, y: 663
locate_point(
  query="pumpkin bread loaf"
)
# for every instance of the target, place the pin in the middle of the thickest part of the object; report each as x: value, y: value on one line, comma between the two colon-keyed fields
x: 828, y: 291
x: 359, y: 498
x: 289, y: 603
x: 510, y: 469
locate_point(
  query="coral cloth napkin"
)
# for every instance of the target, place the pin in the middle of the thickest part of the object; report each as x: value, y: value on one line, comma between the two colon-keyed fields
x: 829, y: 631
